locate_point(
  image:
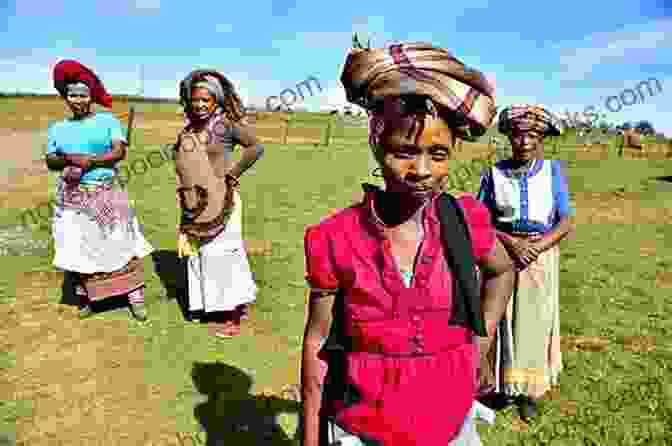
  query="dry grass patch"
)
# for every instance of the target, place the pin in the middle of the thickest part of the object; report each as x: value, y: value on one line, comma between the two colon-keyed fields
x: 569, y: 408
x: 84, y: 379
x: 639, y: 344
x: 617, y: 207
x: 664, y: 279
x: 584, y: 344
x: 518, y: 425
x: 649, y: 248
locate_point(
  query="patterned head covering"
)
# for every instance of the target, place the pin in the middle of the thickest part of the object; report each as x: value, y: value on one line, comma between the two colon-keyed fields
x: 219, y: 86
x: 68, y: 72
x: 527, y: 117
x: 378, y: 78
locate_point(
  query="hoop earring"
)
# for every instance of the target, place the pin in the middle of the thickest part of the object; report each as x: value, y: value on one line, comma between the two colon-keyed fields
x: 379, y: 174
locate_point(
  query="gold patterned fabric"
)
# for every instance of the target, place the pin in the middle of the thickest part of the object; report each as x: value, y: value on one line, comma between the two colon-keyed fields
x: 420, y: 70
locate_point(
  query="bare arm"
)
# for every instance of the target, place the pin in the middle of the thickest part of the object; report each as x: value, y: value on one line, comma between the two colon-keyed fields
x: 498, y: 282
x: 111, y: 158
x: 251, y: 150
x: 108, y: 159
x: 178, y: 185
x: 312, y: 368
x: 557, y: 234
x: 506, y: 239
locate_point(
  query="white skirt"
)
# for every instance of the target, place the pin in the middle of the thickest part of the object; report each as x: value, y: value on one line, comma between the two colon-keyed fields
x: 219, y: 276
x: 82, y: 246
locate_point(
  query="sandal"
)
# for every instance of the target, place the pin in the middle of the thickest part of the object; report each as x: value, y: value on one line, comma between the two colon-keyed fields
x: 242, y: 312
x: 228, y: 329
x: 85, y: 312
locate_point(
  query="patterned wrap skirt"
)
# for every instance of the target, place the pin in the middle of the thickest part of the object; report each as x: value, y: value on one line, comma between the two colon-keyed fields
x: 527, y: 358
x: 97, y: 235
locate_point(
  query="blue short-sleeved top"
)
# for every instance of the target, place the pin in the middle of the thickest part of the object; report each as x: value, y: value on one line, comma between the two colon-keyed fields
x: 91, y: 136
x: 534, y: 202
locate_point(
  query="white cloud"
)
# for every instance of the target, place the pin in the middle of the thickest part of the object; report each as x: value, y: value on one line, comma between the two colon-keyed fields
x: 634, y: 44
x: 146, y: 5
x: 41, y: 8
x: 35, y: 8
x: 223, y: 28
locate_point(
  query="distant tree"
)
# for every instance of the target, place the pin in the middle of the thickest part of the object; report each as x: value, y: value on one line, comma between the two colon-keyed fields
x: 645, y: 128
x: 604, y: 125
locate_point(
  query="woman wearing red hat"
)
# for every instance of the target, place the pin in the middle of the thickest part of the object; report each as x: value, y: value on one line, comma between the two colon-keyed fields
x: 97, y: 235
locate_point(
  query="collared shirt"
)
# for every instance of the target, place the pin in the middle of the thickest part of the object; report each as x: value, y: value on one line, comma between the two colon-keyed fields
x: 343, y: 249
x: 533, y: 202
x: 403, y: 346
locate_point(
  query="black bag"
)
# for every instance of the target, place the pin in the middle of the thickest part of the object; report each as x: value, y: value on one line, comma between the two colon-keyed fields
x: 459, y: 255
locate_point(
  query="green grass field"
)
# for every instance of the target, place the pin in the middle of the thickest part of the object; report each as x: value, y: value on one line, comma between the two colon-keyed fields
x: 609, y: 290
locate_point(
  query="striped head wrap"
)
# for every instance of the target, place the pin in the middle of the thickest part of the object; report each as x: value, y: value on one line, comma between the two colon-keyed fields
x: 385, y: 79
x: 526, y: 117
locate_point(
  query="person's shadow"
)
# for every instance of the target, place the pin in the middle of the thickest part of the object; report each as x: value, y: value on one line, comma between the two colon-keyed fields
x: 231, y: 415
x: 69, y: 297
x: 172, y: 272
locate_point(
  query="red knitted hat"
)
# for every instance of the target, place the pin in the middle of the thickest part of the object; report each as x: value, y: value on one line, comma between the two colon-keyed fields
x: 70, y: 71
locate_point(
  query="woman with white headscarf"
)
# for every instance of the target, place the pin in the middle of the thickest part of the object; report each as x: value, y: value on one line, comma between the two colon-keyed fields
x: 210, y: 231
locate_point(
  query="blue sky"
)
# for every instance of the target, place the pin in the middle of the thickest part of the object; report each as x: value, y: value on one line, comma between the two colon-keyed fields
x: 567, y: 55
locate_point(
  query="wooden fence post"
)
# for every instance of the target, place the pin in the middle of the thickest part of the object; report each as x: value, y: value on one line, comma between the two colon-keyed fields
x: 328, y: 135
x: 288, y: 119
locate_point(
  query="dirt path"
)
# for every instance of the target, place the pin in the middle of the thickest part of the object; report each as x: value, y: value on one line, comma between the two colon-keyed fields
x: 23, y: 175
x: 619, y: 207
x: 86, y: 389
x: 83, y: 389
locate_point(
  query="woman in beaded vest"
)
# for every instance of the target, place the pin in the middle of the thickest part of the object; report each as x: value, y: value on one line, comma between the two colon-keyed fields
x: 529, y: 200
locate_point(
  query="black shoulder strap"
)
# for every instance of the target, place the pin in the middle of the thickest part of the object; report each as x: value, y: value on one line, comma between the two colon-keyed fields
x: 460, y: 258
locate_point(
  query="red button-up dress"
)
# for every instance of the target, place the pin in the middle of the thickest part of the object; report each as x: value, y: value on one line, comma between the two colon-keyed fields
x: 414, y: 372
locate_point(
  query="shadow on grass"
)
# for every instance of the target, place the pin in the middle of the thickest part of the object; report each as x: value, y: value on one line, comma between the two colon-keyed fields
x: 666, y: 178
x: 172, y: 272
x: 232, y: 416
x: 68, y: 297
